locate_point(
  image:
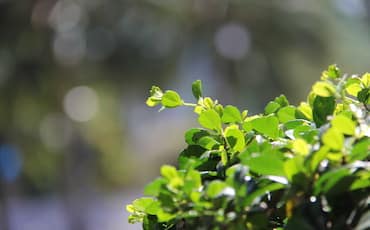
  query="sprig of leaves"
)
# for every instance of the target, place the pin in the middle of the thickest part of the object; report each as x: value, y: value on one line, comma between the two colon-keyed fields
x: 289, y: 167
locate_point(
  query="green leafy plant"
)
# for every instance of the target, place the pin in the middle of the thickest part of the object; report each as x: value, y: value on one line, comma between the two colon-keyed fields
x: 292, y: 167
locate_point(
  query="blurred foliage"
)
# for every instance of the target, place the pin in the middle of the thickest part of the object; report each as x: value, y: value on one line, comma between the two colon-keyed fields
x: 115, y: 50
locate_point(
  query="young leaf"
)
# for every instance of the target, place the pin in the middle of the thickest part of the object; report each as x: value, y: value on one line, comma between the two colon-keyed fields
x: 323, y: 89
x: 155, y: 96
x: 282, y: 100
x: 231, y: 114
x: 171, y: 99
x: 197, y: 89
x: 332, y: 72
x: 210, y: 119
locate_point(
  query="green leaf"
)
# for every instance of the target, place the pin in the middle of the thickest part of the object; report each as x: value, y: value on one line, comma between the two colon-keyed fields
x: 262, y: 192
x: 265, y: 164
x: 235, y: 138
x: 317, y: 157
x: 364, y: 95
x: 286, y: 114
x: 344, y: 124
x: 154, y: 188
x: 327, y: 181
x: 208, y: 142
x: 293, y: 166
x: 282, y: 100
x: 165, y: 216
x: 365, y: 79
x: 323, y: 89
x: 196, y: 88
x: 301, y: 147
x: 268, y: 126
x: 360, y: 150
x: 145, y: 204
x: 332, y: 72
x: 271, y: 107
x: 333, y: 138
x: 193, y: 135
x: 155, y: 96
x: 169, y: 171
x: 322, y: 108
x: 353, y: 86
x: 306, y: 110
x: 210, y: 119
x: 171, y: 174
x: 215, y: 188
x: 231, y: 114
x: 171, y: 99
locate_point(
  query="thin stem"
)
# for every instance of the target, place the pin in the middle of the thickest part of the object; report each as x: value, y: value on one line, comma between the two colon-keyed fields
x: 190, y: 104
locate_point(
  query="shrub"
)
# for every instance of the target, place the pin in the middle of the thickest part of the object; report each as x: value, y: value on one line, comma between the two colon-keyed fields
x: 292, y: 167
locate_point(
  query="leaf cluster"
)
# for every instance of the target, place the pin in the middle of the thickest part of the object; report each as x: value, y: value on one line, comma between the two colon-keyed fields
x: 291, y: 167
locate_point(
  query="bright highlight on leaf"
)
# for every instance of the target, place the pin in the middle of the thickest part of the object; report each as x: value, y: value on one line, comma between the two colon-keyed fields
x: 323, y: 89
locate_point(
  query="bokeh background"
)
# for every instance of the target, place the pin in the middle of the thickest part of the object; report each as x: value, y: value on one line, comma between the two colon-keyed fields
x: 77, y: 142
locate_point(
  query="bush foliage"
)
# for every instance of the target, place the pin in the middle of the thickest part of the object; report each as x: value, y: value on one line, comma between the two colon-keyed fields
x: 292, y: 167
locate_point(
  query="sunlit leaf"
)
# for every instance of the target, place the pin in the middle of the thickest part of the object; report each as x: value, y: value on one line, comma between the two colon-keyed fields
x: 323, y: 89
x: 210, y: 119
x: 267, y: 126
x: 171, y: 99
x: 235, y: 138
x: 333, y: 138
x: 343, y: 124
x: 286, y: 114
x: 231, y: 114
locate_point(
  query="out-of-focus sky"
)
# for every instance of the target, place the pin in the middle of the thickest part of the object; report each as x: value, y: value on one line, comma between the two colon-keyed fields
x: 77, y: 141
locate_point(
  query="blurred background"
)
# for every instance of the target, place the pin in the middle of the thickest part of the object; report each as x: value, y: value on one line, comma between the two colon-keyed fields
x: 77, y: 142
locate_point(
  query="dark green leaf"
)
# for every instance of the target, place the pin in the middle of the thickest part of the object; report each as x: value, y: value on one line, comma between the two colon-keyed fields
x: 208, y: 142
x: 192, y: 136
x: 364, y: 95
x: 197, y: 89
x: 322, y: 108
